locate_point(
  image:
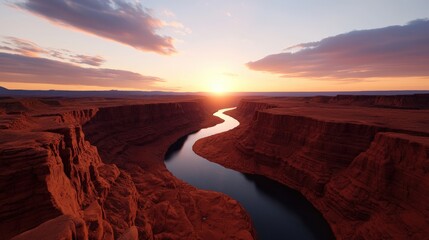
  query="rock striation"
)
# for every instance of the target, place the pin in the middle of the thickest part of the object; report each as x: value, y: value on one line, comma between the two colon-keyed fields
x: 93, y: 169
x: 366, y: 168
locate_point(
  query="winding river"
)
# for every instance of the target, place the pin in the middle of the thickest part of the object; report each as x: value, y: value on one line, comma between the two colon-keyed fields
x: 277, y: 211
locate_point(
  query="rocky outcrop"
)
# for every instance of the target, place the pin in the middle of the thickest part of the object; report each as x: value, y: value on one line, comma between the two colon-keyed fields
x: 49, y: 174
x: 384, y: 189
x: 95, y: 171
x: 368, y: 178
x: 64, y: 227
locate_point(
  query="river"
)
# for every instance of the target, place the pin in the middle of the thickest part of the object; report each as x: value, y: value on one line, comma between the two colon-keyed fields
x: 277, y: 211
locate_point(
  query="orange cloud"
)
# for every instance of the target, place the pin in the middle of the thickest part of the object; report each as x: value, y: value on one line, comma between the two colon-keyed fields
x: 21, y: 46
x: 30, y: 49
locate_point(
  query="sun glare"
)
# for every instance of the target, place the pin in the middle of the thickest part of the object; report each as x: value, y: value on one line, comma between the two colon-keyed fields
x: 218, y: 88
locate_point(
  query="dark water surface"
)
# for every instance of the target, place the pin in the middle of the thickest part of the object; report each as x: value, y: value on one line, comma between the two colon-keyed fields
x: 277, y: 211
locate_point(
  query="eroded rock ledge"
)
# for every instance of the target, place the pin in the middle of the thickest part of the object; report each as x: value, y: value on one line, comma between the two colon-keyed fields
x: 93, y: 169
x: 362, y: 161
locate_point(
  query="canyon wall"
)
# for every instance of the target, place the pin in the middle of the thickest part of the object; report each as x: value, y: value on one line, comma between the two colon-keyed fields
x: 414, y: 101
x: 366, y: 169
x: 93, y: 169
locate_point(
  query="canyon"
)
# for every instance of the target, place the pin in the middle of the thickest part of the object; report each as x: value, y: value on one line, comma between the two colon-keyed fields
x: 92, y: 168
x: 362, y: 161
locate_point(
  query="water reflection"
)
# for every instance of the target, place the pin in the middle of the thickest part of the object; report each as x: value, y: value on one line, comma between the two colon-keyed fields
x: 277, y: 212
x: 175, y: 148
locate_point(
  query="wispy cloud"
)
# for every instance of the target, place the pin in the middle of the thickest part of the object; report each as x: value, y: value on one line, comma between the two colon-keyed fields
x: 31, y: 49
x: 88, y: 60
x: 21, y: 46
x: 171, y: 24
x: 26, y: 69
x: 177, y: 27
x: 122, y: 21
x: 395, y: 51
x: 168, y: 13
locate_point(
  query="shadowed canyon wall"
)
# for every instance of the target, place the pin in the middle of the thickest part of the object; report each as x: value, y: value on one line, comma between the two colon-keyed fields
x: 93, y: 169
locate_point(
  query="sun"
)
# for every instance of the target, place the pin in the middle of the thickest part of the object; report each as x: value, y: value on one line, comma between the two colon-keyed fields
x: 218, y: 87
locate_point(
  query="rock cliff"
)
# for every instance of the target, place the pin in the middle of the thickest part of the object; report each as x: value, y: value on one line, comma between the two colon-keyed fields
x: 364, y: 167
x: 415, y: 101
x: 93, y: 169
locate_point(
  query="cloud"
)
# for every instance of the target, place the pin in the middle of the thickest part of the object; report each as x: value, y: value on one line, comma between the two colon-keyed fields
x: 25, y: 69
x: 178, y: 27
x: 168, y: 13
x: 395, y: 51
x: 22, y: 46
x: 30, y: 49
x: 88, y: 60
x: 118, y: 20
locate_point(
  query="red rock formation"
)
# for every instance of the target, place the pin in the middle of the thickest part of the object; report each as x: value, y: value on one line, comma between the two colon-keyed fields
x: 62, y: 227
x: 384, y: 189
x: 51, y: 173
x: 366, y: 170
x: 55, y: 184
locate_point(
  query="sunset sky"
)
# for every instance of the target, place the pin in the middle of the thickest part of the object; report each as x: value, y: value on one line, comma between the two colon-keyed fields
x: 217, y: 45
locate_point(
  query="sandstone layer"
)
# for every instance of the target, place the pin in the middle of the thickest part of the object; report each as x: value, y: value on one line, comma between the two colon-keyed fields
x: 93, y: 169
x: 363, y: 161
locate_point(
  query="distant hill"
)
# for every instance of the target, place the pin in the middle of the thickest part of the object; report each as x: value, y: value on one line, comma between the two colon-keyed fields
x: 331, y: 94
x: 122, y: 94
x: 63, y: 93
